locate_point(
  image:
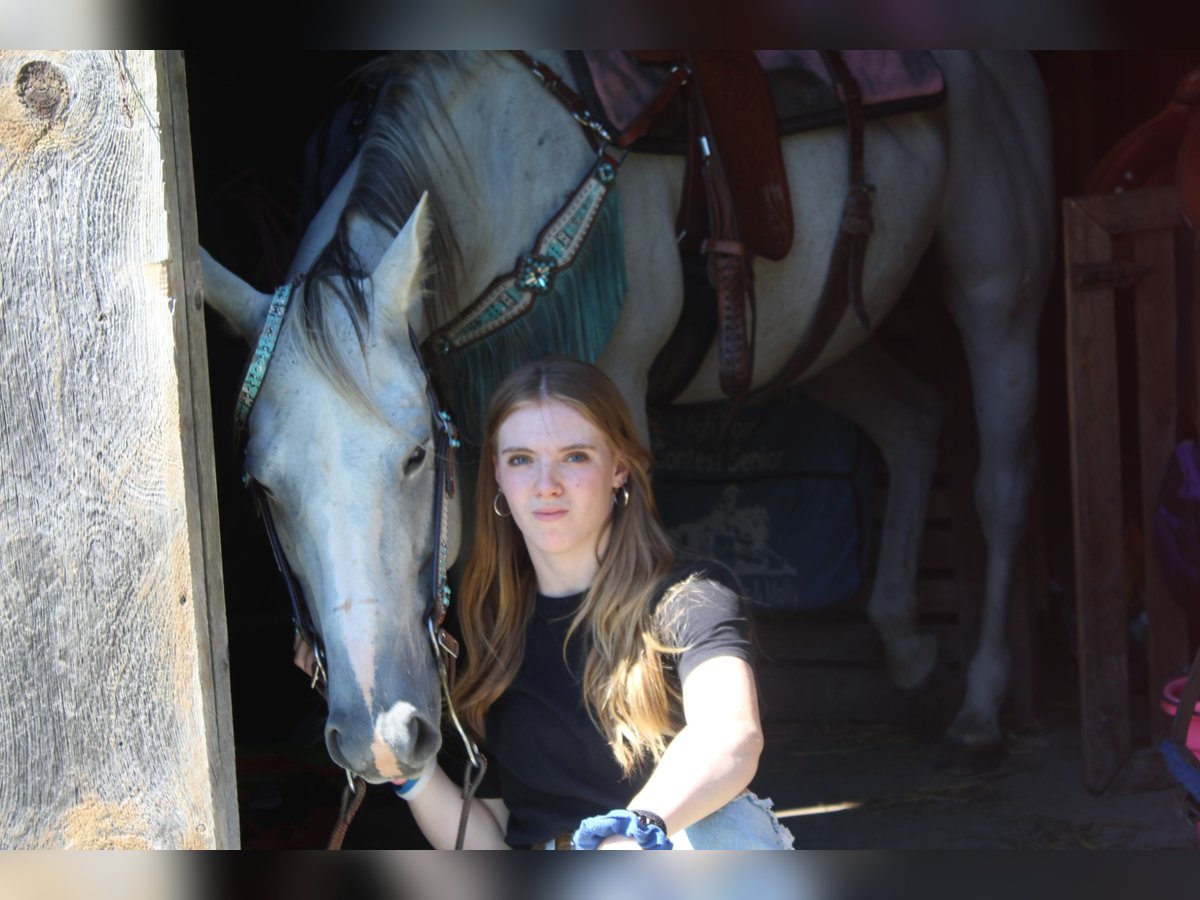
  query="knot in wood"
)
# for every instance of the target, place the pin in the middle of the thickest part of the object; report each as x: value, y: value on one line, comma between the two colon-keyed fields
x: 42, y: 88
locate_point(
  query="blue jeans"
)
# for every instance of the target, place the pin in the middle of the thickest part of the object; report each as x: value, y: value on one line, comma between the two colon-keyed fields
x: 744, y: 823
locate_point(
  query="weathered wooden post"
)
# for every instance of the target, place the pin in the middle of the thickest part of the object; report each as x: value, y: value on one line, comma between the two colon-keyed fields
x: 115, y: 727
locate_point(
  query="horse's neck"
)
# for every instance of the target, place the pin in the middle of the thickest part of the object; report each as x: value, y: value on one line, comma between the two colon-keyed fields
x: 507, y: 156
x: 525, y: 155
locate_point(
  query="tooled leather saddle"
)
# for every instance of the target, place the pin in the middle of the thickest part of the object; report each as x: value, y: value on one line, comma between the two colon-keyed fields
x: 726, y: 110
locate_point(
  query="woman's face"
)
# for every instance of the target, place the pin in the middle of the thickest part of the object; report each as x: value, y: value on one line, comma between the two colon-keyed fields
x: 558, y: 472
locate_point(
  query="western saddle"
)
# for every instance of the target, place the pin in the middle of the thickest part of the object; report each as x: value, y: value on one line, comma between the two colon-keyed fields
x: 736, y: 205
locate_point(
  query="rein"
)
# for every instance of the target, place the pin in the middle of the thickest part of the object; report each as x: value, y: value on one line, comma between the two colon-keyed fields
x: 444, y: 645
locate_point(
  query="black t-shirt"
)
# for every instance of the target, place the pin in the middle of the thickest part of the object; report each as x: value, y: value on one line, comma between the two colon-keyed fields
x: 548, y: 761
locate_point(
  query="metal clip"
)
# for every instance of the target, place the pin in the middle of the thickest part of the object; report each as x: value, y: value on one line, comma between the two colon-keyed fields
x: 318, y: 674
x: 447, y: 643
x: 585, y: 119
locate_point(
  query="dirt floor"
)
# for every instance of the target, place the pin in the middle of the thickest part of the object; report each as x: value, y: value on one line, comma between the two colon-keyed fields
x: 861, y: 773
x: 858, y: 785
x: 844, y: 747
x: 878, y: 785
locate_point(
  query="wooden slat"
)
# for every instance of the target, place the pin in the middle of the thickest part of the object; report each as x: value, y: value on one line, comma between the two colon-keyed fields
x: 104, y: 739
x: 1155, y: 317
x: 1148, y: 209
x: 1096, y: 479
x: 183, y: 278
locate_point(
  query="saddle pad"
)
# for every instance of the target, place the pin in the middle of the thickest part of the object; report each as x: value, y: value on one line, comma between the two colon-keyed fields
x: 618, y: 87
x: 785, y: 498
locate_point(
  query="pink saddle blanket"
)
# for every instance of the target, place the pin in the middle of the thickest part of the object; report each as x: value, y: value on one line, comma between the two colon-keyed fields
x: 618, y: 87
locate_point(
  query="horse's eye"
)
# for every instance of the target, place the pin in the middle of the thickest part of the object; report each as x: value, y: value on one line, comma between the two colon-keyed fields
x: 414, y: 461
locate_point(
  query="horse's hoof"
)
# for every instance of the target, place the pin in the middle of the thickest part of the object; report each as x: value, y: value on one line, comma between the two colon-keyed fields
x: 911, y: 668
x: 959, y: 758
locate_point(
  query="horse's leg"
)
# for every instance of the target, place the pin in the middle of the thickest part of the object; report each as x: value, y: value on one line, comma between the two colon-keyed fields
x: 903, y: 416
x: 995, y: 244
x: 1001, y: 340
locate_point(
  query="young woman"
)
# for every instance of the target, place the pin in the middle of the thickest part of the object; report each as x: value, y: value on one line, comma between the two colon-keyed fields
x: 605, y: 677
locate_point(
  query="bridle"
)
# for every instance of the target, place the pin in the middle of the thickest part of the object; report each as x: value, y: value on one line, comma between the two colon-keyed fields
x: 444, y: 645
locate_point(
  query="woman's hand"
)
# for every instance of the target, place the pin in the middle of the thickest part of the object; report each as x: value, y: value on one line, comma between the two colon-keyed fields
x: 715, y: 755
x: 438, y: 805
x: 618, y: 842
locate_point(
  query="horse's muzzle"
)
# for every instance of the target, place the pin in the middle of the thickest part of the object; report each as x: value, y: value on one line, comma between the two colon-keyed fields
x: 400, y: 743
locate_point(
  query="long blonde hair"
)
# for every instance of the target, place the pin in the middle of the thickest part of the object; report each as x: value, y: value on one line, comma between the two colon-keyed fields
x: 625, y: 686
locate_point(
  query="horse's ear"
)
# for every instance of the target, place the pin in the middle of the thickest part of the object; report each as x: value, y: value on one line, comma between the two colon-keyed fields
x: 241, y: 305
x: 396, y: 281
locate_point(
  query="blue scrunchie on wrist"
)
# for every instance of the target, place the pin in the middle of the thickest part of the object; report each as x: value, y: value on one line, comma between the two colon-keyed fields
x: 593, y: 830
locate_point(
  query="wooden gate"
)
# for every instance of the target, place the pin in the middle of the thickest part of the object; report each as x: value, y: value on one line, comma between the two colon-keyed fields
x: 1121, y: 248
x: 115, y: 728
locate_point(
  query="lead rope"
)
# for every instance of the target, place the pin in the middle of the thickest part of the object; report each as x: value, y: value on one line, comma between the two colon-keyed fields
x: 445, y: 647
x: 350, y: 804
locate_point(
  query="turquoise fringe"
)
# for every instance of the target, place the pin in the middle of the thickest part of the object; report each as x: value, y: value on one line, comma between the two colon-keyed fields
x: 576, y: 317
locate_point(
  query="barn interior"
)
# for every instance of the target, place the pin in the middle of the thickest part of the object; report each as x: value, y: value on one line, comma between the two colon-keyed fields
x: 848, y: 755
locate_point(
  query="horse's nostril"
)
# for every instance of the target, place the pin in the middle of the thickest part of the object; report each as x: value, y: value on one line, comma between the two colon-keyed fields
x: 407, y: 735
x: 334, y: 746
x: 427, y: 740
x: 402, y: 739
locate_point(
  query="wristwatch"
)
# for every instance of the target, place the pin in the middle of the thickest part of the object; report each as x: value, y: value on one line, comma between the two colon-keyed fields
x: 646, y: 819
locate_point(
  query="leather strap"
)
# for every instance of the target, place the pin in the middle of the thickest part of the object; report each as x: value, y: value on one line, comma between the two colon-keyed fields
x: 732, y: 248
x: 677, y: 77
x: 351, y: 801
x: 728, y: 264
x: 595, y: 133
x: 856, y: 217
x: 445, y: 647
x: 843, y: 279
x: 684, y: 352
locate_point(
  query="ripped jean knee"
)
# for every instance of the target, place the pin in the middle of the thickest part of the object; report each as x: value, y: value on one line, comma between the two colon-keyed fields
x: 746, y: 822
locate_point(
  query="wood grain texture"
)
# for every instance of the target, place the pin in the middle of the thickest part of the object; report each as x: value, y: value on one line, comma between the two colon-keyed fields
x: 107, y: 723
x: 1155, y: 316
x: 196, y: 432
x: 1096, y: 498
x: 1145, y: 209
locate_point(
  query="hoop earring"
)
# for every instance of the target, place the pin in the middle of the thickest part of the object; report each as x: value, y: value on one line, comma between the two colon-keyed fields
x: 496, y: 506
x: 623, y: 493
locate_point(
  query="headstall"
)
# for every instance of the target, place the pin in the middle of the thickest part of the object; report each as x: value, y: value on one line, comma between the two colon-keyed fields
x: 507, y: 298
x: 444, y: 645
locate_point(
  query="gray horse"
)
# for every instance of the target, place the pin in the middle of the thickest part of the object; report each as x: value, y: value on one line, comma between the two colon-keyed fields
x: 472, y: 157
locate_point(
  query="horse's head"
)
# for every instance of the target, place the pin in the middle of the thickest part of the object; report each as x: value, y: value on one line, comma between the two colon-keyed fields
x: 345, y: 454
